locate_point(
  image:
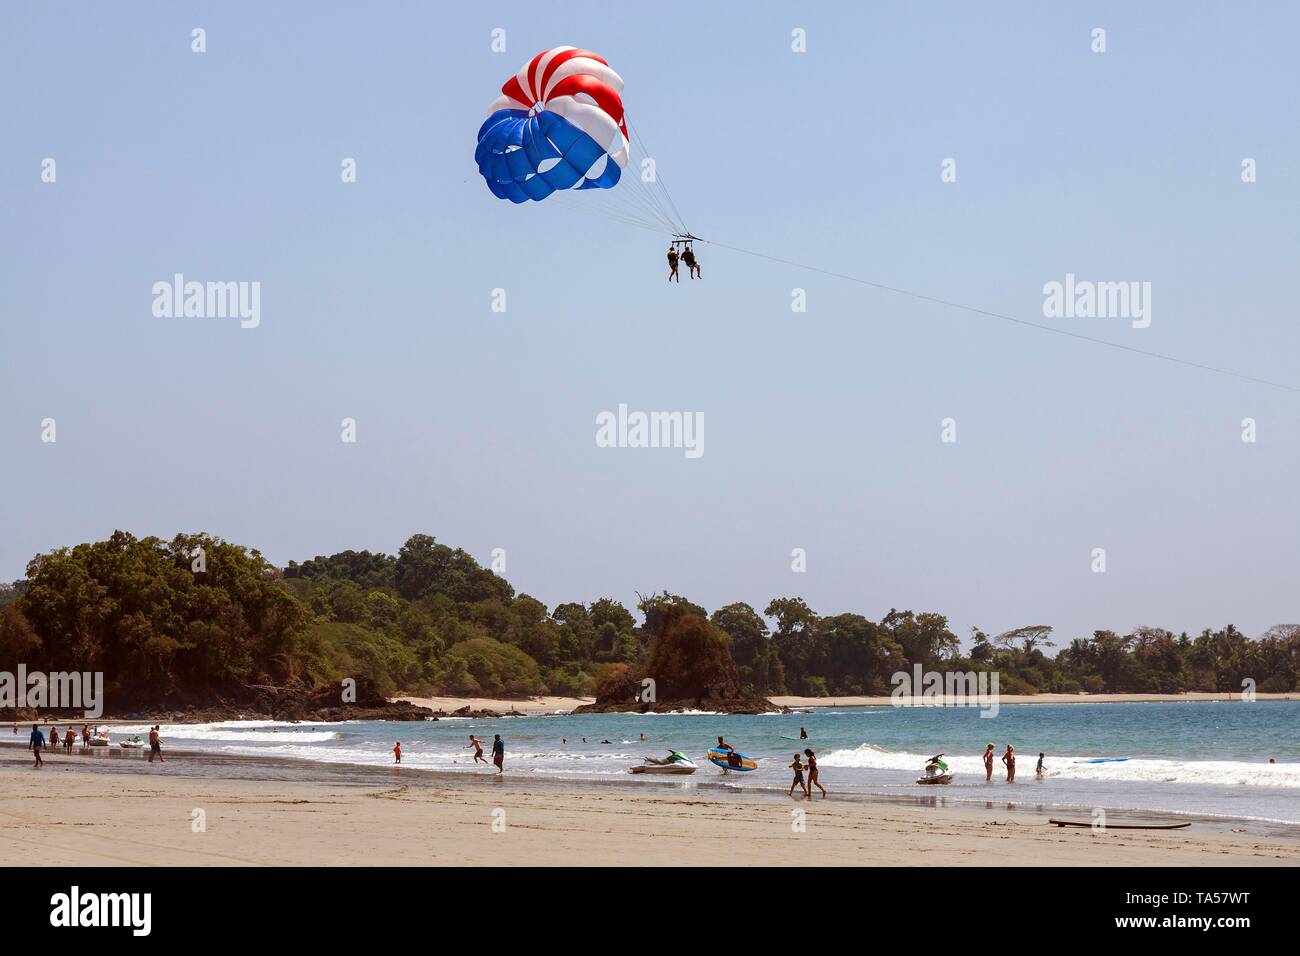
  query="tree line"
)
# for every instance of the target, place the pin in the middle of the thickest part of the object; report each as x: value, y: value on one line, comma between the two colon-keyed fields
x: 166, y: 619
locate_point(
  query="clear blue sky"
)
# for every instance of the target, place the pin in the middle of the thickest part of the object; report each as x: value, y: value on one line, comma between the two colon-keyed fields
x: 822, y: 429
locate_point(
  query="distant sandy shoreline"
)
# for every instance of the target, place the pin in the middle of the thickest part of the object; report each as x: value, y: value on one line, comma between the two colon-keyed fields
x: 537, y: 706
x: 558, y: 706
x: 1010, y: 699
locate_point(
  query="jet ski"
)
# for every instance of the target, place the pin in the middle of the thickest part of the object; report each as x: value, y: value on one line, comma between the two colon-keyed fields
x: 936, y: 771
x: 675, y: 763
x: 99, y: 739
x: 135, y: 743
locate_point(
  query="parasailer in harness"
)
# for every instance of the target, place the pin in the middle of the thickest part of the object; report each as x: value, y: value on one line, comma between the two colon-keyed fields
x: 672, y: 264
x: 692, y: 265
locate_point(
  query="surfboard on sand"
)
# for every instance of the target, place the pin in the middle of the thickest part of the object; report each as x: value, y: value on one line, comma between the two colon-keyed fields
x: 742, y: 763
x: 1121, y: 826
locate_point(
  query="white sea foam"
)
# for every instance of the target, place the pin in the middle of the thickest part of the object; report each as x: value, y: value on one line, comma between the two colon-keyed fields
x: 1137, y: 769
x: 246, y: 731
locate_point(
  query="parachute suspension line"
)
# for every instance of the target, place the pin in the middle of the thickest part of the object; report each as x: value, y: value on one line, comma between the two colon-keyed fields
x: 975, y: 310
x: 604, y: 211
x: 676, y: 215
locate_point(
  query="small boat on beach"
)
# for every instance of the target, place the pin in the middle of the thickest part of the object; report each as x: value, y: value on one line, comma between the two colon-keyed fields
x: 100, y: 739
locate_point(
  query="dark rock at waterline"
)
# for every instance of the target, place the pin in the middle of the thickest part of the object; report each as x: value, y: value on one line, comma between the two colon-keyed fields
x: 288, y: 702
x: 477, y: 714
x: 731, y: 705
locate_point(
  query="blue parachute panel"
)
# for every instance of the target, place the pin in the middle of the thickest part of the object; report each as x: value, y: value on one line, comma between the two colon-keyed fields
x: 524, y: 157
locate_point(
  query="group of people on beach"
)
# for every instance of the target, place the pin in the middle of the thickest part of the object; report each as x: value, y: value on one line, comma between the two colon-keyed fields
x: 38, y: 742
x: 498, y: 751
x: 1009, y: 760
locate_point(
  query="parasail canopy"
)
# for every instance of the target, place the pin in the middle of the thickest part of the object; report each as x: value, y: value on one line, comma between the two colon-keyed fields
x: 558, y: 124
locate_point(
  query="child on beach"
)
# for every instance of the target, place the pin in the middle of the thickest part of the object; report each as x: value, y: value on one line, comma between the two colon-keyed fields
x: 37, y: 742
x: 1039, y: 769
x: 812, y: 775
x: 397, y: 751
x: 988, y: 764
x: 797, y: 767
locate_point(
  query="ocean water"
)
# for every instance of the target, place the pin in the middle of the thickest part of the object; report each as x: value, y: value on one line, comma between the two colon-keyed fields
x: 1199, y: 759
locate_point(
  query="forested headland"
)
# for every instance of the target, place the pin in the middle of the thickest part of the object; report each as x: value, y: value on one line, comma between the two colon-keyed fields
x: 192, y: 618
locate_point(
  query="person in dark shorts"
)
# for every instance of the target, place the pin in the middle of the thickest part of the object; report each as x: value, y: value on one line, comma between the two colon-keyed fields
x: 1038, y: 771
x: 37, y: 743
x: 478, y: 749
x: 499, y: 752
x: 155, y: 745
x: 797, y: 767
x: 692, y: 265
x: 672, y: 264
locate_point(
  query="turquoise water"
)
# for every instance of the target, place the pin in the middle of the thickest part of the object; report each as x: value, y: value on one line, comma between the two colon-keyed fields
x: 1207, y: 759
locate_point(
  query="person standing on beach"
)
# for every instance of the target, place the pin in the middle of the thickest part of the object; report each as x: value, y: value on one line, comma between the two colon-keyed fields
x: 397, y: 751
x: 478, y: 749
x: 85, y: 736
x: 54, y: 737
x: 812, y: 775
x: 1038, y: 771
x: 36, y: 743
x: 499, y: 753
x: 797, y: 767
x: 155, y: 745
x: 69, y: 740
x: 1009, y: 758
x: 988, y: 764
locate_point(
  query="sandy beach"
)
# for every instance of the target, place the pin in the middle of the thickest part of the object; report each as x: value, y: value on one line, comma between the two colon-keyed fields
x: 1006, y: 699
x: 69, y: 816
x: 534, y: 706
